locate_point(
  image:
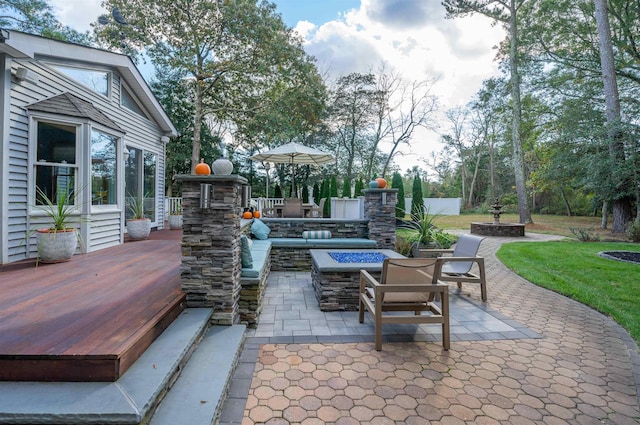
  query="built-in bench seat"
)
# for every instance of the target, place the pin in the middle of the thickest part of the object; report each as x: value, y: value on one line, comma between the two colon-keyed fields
x: 293, y: 253
x: 253, y: 283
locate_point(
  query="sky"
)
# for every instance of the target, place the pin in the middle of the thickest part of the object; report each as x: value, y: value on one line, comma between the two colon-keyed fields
x: 410, y: 36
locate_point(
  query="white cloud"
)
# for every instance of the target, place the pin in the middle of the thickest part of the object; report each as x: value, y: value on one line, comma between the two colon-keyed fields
x: 414, y: 38
x: 77, y: 14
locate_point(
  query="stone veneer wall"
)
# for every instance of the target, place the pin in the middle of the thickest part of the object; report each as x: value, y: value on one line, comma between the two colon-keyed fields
x: 339, y: 228
x: 380, y: 212
x: 210, y: 271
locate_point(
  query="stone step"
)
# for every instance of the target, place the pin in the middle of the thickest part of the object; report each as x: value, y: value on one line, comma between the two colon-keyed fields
x: 197, y: 396
x: 126, y: 401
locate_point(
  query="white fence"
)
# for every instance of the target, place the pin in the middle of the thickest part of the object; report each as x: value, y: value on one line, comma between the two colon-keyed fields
x: 348, y: 208
x: 441, y: 206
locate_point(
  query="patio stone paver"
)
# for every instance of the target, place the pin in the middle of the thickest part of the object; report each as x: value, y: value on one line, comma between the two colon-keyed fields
x: 561, y: 363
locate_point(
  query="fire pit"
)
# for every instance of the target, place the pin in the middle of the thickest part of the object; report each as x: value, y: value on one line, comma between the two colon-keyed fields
x: 335, y: 274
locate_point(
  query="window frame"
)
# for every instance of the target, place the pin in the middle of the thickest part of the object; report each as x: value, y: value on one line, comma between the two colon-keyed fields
x: 56, y: 65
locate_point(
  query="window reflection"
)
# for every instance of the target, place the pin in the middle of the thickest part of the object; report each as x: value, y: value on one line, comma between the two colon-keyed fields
x: 55, y: 167
x: 103, y: 169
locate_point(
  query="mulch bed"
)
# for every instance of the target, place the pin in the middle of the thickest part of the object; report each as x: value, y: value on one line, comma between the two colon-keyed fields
x: 628, y: 256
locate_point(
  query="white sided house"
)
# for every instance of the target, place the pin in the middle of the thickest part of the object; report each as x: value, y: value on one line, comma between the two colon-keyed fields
x: 75, y: 118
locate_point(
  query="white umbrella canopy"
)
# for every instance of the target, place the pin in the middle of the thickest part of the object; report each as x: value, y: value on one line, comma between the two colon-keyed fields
x: 294, y: 153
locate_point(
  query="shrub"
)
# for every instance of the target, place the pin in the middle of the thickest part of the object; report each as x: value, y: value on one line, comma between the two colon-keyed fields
x: 584, y: 234
x: 633, y: 231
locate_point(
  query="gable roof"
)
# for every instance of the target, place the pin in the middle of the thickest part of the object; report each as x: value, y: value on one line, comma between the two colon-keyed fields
x: 72, y: 106
x: 27, y: 46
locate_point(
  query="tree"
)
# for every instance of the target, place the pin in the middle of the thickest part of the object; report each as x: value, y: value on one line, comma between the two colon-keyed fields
x: 233, y: 52
x: 397, y: 183
x: 622, y: 211
x: 175, y: 97
x: 36, y: 17
x: 505, y: 12
x: 346, y: 188
x: 305, y: 194
x: 316, y: 193
x: 358, y: 187
x: 417, y: 201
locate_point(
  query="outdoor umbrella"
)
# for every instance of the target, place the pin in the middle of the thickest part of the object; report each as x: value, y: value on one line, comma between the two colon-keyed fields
x: 294, y: 153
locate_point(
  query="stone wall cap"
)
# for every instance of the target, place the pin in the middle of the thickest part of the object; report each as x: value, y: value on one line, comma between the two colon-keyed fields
x: 381, y: 190
x: 212, y: 178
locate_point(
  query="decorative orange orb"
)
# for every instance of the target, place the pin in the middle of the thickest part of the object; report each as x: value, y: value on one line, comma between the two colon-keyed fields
x: 382, y: 183
x: 203, y: 169
x: 247, y: 215
x: 256, y: 214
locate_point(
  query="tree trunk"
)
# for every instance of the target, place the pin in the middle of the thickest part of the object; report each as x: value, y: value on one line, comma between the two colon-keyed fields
x: 605, y: 215
x: 197, y: 126
x: 566, y: 203
x: 622, y: 210
x: 518, y: 154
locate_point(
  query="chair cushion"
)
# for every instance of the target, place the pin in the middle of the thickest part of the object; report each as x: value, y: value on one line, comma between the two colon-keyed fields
x: 259, y: 229
x: 316, y: 234
x: 245, y: 252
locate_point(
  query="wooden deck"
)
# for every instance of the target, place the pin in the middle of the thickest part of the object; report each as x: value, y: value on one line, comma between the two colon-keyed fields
x: 88, y: 319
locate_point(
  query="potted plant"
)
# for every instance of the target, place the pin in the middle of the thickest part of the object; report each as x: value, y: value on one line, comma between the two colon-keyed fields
x: 423, y: 233
x: 58, y: 242
x: 175, y: 218
x: 139, y: 225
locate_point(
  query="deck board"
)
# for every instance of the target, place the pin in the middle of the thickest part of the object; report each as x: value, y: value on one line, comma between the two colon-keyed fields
x: 89, y: 318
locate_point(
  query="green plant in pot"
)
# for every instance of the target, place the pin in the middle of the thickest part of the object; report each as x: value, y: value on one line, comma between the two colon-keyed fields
x: 138, y: 225
x: 423, y: 233
x: 59, y: 241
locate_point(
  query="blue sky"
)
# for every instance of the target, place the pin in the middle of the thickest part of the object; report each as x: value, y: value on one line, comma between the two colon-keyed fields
x: 315, y: 11
x: 411, y: 37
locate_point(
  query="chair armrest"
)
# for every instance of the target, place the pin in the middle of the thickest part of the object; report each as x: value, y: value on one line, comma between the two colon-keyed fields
x: 431, y: 252
x: 478, y: 259
x: 366, y: 278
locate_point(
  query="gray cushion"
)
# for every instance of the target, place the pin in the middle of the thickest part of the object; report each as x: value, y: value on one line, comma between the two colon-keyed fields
x: 259, y: 229
x: 245, y: 252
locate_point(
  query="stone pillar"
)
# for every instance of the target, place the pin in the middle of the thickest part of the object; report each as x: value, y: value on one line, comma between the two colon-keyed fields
x: 380, y: 210
x: 210, y: 271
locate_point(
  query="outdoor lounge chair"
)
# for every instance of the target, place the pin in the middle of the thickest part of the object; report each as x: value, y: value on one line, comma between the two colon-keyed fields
x: 292, y: 208
x: 457, y: 267
x: 317, y: 211
x: 407, y: 288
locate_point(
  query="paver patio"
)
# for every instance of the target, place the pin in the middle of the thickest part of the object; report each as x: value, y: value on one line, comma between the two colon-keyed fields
x: 546, y: 360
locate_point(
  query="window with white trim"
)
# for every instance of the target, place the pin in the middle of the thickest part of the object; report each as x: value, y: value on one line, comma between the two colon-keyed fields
x: 55, y: 167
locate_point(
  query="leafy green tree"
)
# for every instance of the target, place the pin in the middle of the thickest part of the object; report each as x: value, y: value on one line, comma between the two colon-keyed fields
x: 333, y: 191
x: 305, y: 194
x: 174, y: 95
x: 506, y: 13
x: 417, y: 201
x: 346, y: 188
x: 316, y: 193
x: 358, y: 187
x: 233, y: 52
x: 397, y: 183
x: 36, y: 17
x: 277, y: 191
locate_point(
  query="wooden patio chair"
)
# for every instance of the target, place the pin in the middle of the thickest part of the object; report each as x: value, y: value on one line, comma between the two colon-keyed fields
x: 457, y: 266
x: 317, y: 211
x: 407, y: 288
x: 292, y: 208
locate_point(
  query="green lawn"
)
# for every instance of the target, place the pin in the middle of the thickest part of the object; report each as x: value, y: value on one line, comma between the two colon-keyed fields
x: 574, y: 269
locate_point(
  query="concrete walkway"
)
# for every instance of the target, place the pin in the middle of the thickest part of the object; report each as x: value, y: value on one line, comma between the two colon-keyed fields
x: 531, y: 357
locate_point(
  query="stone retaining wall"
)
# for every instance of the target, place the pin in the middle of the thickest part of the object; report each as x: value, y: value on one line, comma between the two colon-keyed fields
x: 339, y: 228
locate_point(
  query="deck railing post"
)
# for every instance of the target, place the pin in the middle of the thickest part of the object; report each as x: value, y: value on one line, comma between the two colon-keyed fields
x: 210, y: 271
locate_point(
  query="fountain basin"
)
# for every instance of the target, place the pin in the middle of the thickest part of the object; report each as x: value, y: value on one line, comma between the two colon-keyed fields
x: 513, y: 230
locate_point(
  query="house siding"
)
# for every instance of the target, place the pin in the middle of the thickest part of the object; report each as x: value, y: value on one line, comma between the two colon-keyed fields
x: 105, y: 228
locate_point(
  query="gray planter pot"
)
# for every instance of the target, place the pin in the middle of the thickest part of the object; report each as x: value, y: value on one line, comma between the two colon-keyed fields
x: 56, y: 247
x: 175, y: 221
x: 138, y: 228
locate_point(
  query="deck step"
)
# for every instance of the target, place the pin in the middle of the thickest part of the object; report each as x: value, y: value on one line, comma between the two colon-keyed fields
x: 126, y: 401
x: 197, y: 395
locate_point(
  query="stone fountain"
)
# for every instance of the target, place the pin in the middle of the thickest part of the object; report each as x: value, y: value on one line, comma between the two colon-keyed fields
x: 496, y: 228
